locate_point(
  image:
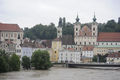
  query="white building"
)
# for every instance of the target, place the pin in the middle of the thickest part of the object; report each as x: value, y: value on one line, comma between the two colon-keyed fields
x: 87, y: 53
x: 12, y: 33
x: 69, y: 56
x: 28, y: 51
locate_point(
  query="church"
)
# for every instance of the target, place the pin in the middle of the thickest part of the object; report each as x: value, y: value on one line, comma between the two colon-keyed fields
x: 88, y: 41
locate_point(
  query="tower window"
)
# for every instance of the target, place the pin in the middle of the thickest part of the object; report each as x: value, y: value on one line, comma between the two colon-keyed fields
x: 76, y: 29
x: 93, y: 34
x: 76, y: 33
x: 93, y: 29
x: 58, y: 31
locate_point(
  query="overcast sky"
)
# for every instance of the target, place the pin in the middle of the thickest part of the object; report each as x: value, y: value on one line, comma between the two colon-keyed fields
x: 27, y: 13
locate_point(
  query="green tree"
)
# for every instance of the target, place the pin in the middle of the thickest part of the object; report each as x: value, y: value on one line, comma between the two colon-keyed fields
x: 15, y: 62
x: 4, y: 61
x: 26, y: 62
x: 41, y: 60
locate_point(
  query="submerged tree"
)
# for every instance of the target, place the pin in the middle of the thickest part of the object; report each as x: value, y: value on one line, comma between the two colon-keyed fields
x: 26, y: 62
x: 15, y: 62
x: 41, y: 60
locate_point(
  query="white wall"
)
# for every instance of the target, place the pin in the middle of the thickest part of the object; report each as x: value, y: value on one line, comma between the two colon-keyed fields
x: 69, y: 56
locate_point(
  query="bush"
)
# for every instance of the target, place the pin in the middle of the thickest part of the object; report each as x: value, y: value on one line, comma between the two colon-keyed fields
x: 26, y: 62
x: 41, y: 60
x: 14, y: 62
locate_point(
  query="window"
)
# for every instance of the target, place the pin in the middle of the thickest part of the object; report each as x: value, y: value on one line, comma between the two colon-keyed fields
x: 85, y: 34
x: 76, y: 42
x: 89, y: 43
x: 55, y: 51
x: 93, y: 29
x: 80, y: 43
x: 76, y: 29
x: 6, y: 35
x: 11, y: 35
x: 76, y: 33
x: 106, y: 43
x: 116, y: 43
x: 2, y: 34
x: 111, y: 43
x: 93, y: 34
x: 58, y: 31
x: 102, y: 43
x: 84, y: 43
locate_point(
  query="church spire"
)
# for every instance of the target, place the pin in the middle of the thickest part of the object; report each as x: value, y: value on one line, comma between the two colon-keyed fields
x: 77, y: 18
x: 94, y: 18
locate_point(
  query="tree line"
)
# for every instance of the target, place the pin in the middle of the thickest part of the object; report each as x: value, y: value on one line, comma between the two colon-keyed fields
x: 11, y: 62
x: 41, y: 31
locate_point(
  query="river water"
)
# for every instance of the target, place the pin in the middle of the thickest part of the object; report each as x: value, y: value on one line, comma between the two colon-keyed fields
x: 56, y: 73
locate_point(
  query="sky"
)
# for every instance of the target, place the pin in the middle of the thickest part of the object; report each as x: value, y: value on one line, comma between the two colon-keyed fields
x: 27, y: 13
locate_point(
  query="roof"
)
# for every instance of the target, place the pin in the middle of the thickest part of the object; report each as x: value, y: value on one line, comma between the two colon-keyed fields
x: 9, y: 27
x: 57, y: 39
x: 87, y: 48
x: 108, y: 36
x: 67, y: 40
x: 114, y: 55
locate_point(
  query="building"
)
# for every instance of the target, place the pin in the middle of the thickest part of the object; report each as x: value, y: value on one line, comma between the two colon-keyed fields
x: 113, y: 57
x: 56, y: 46
x: 59, y: 29
x: 86, y: 35
x: 8, y: 46
x: 12, y: 33
x: 107, y: 42
x: 87, y: 53
x: 87, y: 40
x: 29, y: 47
x: 70, y: 56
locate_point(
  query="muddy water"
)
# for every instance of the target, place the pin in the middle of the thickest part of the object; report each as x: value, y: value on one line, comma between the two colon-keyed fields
x: 62, y: 74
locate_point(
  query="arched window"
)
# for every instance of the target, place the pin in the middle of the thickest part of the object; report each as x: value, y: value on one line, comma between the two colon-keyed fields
x: 93, y: 29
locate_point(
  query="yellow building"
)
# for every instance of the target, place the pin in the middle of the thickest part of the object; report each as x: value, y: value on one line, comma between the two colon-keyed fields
x: 56, y: 46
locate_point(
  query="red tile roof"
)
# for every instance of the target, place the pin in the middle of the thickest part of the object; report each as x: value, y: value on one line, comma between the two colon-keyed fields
x: 9, y: 27
x: 114, y: 55
x: 87, y: 48
x: 109, y: 36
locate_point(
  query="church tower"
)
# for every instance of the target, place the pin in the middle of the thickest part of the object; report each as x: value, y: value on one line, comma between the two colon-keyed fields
x: 59, y: 28
x: 77, y: 27
x: 94, y: 27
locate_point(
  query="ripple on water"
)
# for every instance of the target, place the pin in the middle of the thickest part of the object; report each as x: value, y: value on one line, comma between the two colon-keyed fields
x: 62, y: 74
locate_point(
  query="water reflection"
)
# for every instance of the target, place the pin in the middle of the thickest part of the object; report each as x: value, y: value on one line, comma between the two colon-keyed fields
x: 62, y: 74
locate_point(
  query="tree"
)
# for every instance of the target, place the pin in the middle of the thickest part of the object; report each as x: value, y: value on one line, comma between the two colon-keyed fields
x: 26, y: 62
x: 15, y: 62
x: 41, y: 60
x: 4, y: 61
x: 102, y: 58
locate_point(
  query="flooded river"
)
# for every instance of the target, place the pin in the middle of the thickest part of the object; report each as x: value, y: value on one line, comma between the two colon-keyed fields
x: 62, y: 74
